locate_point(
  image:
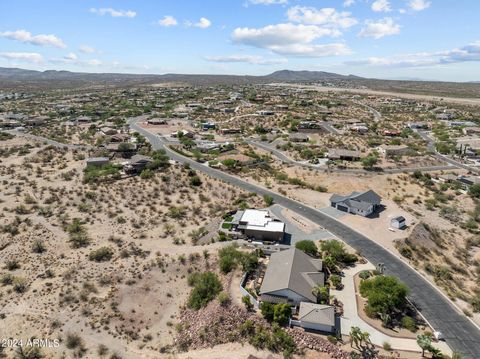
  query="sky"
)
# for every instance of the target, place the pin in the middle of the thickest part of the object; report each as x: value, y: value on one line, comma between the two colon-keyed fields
x: 394, y: 39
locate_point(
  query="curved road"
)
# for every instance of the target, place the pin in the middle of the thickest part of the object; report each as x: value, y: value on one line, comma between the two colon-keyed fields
x: 282, y: 157
x: 431, y: 147
x: 460, y: 333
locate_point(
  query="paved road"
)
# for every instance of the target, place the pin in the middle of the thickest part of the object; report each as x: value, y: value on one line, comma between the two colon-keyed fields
x: 285, y: 159
x: 377, y: 116
x: 431, y: 147
x: 460, y: 333
x: 329, y: 128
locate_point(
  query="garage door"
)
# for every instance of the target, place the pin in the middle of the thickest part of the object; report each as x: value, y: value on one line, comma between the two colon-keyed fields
x: 342, y: 208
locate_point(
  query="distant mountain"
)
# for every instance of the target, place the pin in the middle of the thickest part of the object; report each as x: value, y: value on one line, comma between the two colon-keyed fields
x: 53, y: 78
x: 307, y: 76
x: 29, y: 80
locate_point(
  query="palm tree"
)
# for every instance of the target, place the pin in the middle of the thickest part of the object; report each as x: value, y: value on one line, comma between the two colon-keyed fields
x: 330, y: 264
x: 356, y: 336
x: 321, y: 292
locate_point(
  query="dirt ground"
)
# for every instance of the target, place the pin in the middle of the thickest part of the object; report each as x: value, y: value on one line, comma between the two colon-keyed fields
x: 128, y: 303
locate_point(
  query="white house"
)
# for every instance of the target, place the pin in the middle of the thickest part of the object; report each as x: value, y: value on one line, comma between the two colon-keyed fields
x: 363, y: 204
x: 259, y: 224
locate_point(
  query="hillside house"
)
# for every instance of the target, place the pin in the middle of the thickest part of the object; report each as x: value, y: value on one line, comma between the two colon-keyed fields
x: 393, y: 150
x: 361, y: 203
x: 344, y: 155
x: 259, y: 224
x: 290, y: 277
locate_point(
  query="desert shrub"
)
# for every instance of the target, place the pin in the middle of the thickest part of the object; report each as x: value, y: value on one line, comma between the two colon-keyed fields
x: 12, y: 264
x: 267, y: 310
x: 7, y: 279
x: 146, y: 174
x: 20, y: 285
x: 409, y: 323
x: 268, y: 200
x: 332, y: 339
x: 102, y: 254
x: 206, y: 286
x: 308, y: 247
x: 365, y: 274
x: 38, y: 246
x: 93, y: 174
x: 229, y: 258
x: 223, y: 298
x: 195, y: 181
x: 336, y: 280
x: 73, y: 341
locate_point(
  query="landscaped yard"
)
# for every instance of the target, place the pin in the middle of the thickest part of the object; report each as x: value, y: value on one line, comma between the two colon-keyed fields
x: 407, y: 324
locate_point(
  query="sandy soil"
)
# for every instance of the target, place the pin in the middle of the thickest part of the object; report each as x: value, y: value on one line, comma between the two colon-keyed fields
x: 129, y: 303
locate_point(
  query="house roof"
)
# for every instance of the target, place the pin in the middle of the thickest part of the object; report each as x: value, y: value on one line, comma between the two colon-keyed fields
x: 360, y: 200
x: 337, y: 153
x: 97, y: 159
x: 317, y: 313
x: 399, y: 218
x: 295, y: 270
x: 140, y: 159
x: 260, y: 220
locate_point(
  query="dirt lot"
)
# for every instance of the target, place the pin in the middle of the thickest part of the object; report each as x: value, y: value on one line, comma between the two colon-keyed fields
x: 128, y: 302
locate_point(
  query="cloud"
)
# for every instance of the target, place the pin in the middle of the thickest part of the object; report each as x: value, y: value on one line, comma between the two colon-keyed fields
x: 168, y: 21
x: 468, y: 53
x: 419, y: 5
x: 113, y: 12
x: 381, y: 6
x: 380, y: 28
x: 70, y: 56
x: 39, y: 40
x: 87, y: 49
x: 33, y: 57
x: 348, y: 3
x: 328, y: 17
x: 250, y: 59
x: 203, y: 23
x: 267, y: 2
x: 72, y: 59
x: 290, y: 39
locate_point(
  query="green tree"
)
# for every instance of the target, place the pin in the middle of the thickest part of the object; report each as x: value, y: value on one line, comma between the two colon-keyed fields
x: 474, y: 190
x: 369, y: 161
x: 229, y: 163
x: 424, y: 342
x: 282, y: 313
x: 385, y: 295
x: 337, y: 250
x: 308, y: 247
